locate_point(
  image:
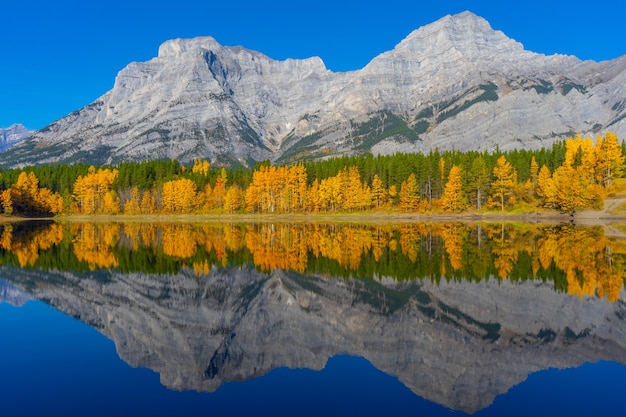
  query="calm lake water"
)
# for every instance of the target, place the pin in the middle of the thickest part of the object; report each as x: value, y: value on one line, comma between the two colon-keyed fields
x: 311, y: 319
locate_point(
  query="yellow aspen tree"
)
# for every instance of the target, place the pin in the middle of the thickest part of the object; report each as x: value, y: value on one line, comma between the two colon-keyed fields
x: 233, y: 199
x: 545, y: 187
x: 534, y: 174
x: 201, y: 167
x: 572, y: 148
x: 409, y: 194
x: 302, y: 185
x: 253, y: 198
x: 331, y: 193
x: 7, y: 202
x: 379, y: 194
x: 132, y: 205
x: 89, y: 190
x: 49, y: 202
x: 207, y: 199
x: 452, y: 200
x: 186, y: 195
x: 111, y: 203
x: 168, y: 198
x: 609, y: 159
x: 179, y: 196
x: 312, y: 200
x: 148, y: 202
x: 572, y: 188
x: 353, y: 190
x: 504, y: 181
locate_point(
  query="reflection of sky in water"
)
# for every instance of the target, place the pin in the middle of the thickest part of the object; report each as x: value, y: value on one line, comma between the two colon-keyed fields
x: 55, y: 365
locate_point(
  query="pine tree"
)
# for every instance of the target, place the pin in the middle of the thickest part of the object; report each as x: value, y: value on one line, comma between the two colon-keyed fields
x: 478, y: 182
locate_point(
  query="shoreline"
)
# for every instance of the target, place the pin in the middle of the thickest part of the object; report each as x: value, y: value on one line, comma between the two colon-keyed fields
x: 584, y: 217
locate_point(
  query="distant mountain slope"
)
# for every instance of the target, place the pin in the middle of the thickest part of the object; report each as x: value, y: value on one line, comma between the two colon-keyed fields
x: 13, y: 135
x: 455, y: 83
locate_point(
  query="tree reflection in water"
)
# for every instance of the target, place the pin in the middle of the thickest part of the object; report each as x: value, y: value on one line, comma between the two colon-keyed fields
x: 578, y: 260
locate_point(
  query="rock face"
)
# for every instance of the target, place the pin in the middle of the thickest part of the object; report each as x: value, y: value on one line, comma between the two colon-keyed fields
x: 455, y: 83
x: 457, y: 344
x: 13, y: 135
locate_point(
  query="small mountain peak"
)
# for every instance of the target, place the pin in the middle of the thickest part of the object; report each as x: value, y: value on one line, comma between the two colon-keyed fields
x: 178, y: 47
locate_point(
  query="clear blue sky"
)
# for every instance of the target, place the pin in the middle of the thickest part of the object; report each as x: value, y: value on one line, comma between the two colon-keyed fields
x: 58, y: 56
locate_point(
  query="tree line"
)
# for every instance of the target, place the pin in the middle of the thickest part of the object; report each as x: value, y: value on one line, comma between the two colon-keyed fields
x: 574, y: 174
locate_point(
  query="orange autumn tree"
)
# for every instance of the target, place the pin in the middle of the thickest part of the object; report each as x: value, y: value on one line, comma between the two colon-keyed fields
x: 546, y: 190
x: 574, y: 181
x: 132, y: 206
x: 609, y: 159
x: 503, y: 184
x: 409, y: 194
x: 179, y: 196
x: 93, y: 193
x: 25, y: 196
x: 380, y: 196
x: 453, y: 200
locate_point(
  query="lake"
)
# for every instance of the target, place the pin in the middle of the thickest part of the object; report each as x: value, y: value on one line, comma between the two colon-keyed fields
x: 431, y: 319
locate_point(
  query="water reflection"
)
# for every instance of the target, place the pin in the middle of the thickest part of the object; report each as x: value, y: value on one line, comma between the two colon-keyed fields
x: 459, y: 313
x: 578, y: 260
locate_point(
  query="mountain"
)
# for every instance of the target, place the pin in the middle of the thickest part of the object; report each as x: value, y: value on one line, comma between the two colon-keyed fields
x: 13, y: 135
x: 455, y: 83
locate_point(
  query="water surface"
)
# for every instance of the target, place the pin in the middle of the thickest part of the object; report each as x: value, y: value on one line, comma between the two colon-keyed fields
x: 425, y: 319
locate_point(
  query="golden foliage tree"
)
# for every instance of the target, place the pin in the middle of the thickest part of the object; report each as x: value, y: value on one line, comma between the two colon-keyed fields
x: 546, y: 189
x: 504, y: 181
x: 609, y: 159
x: 179, y: 196
x: 26, y: 197
x: 409, y: 194
x: 453, y: 200
x: 234, y: 199
x: 90, y: 191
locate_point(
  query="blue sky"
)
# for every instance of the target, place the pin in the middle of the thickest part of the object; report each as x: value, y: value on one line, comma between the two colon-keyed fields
x: 58, y: 56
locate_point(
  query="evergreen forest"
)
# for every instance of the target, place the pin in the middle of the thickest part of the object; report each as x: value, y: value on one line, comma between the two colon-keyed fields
x: 574, y: 174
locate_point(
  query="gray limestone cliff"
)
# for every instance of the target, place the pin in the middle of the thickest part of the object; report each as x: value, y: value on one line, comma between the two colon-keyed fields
x: 455, y: 83
x: 457, y: 344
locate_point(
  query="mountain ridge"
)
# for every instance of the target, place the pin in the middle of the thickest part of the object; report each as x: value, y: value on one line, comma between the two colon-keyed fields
x: 453, y: 84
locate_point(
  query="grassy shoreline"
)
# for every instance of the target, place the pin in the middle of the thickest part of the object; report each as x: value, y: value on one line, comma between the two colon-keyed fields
x: 599, y: 217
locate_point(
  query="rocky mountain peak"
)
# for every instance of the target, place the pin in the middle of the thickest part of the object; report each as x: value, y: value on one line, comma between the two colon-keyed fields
x: 456, y: 83
x: 463, y: 39
x: 13, y: 135
x: 176, y: 47
x: 463, y: 30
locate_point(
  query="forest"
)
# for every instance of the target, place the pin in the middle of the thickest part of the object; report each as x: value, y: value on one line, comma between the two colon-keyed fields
x: 571, y: 175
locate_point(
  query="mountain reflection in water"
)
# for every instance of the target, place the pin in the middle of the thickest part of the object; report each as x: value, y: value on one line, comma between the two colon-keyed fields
x: 459, y: 313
